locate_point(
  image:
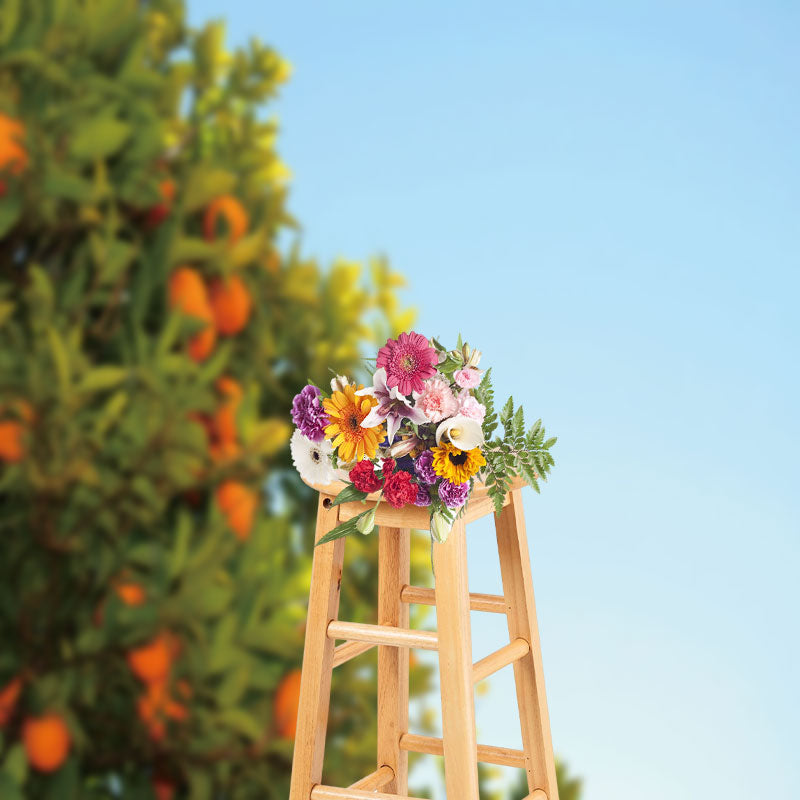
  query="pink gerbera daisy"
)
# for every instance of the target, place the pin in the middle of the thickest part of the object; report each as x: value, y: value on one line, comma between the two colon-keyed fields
x: 408, y: 360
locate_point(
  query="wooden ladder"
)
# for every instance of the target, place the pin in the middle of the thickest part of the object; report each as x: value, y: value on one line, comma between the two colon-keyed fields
x: 393, y: 637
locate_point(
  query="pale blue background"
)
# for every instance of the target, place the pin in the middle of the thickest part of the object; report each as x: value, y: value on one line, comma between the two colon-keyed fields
x: 604, y: 198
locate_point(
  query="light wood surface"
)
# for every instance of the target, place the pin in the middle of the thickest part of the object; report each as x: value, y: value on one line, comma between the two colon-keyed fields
x: 537, y: 794
x: 455, y: 665
x: 375, y: 781
x: 500, y: 658
x: 503, y: 756
x: 394, y: 567
x: 332, y: 793
x: 382, y: 634
x: 492, y: 603
x: 348, y: 651
x: 515, y: 568
x: 315, y: 682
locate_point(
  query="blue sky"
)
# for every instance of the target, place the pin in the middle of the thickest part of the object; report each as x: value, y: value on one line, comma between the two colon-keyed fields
x: 604, y: 198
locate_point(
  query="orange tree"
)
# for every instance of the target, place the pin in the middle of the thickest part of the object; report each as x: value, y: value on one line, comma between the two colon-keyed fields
x: 154, y: 545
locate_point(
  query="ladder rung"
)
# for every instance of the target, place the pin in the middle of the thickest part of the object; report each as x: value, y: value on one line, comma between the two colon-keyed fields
x: 375, y: 780
x: 349, y: 650
x: 537, y: 794
x: 383, y: 634
x: 320, y: 792
x: 512, y: 652
x: 494, y: 603
x: 504, y: 756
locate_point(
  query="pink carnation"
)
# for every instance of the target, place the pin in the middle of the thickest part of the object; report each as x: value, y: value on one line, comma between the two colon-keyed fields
x: 437, y: 400
x: 468, y: 406
x: 467, y: 378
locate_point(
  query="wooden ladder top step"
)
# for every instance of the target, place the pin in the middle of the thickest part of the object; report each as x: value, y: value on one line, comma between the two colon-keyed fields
x: 382, y: 634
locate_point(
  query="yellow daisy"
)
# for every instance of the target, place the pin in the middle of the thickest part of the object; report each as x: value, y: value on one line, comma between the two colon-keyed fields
x: 456, y: 466
x: 346, y: 412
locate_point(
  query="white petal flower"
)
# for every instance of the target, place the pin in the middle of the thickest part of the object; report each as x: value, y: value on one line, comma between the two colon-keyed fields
x: 312, y: 459
x: 461, y: 431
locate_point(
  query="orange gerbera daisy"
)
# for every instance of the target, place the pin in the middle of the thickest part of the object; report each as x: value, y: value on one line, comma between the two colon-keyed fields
x: 346, y: 412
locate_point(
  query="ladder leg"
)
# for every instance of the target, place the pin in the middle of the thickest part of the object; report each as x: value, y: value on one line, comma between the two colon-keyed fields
x: 455, y: 666
x: 315, y: 683
x: 515, y: 566
x: 394, y: 563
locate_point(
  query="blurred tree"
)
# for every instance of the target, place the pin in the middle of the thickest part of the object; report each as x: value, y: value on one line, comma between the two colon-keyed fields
x: 569, y: 787
x: 152, y: 592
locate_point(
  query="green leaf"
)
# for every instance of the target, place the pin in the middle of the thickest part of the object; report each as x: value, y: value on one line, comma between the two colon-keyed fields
x: 16, y: 765
x: 99, y: 138
x: 102, y: 378
x: 345, y: 529
x: 240, y: 721
x: 348, y: 495
x: 203, y: 184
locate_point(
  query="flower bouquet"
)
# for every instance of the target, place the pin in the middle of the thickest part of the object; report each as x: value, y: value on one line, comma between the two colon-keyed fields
x: 423, y: 433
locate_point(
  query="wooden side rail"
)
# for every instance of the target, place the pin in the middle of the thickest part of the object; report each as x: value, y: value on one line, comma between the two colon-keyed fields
x: 383, y: 634
x: 375, y: 780
x: 349, y: 650
x: 503, y: 756
x: 493, y: 603
x: 512, y: 652
x: 320, y: 792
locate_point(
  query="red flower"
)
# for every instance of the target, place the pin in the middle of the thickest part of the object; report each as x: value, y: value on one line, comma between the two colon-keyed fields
x: 399, y: 490
x: 388, y: 467
x: 364, y: 478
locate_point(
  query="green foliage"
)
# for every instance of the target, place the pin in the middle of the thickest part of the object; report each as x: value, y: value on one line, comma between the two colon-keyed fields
x: 118, y: 483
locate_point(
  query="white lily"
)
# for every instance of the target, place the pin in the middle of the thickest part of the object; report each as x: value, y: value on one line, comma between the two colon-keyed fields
x: 440, y: 527
x: 366, y: 523
x: 463, y: 432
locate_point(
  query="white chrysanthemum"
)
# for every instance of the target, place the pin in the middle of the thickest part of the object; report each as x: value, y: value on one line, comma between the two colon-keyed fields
x: 312, y: 459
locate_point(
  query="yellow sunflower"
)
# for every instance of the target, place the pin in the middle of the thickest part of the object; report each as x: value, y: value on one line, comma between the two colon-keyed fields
x: 456, y: 466
x: 346, y: 412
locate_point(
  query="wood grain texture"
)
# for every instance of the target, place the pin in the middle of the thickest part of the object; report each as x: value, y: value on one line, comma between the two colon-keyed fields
x: 375, y: 781
x: 381, y: 634
x: 500, y: 658
x: 348, y: 651
x: 315, y: 682
x: 487, y: 754
x: 394, y: 572
x: 515, y: 568
x: 332, y: 793
x: 493, y: 603
x: 455, y: 665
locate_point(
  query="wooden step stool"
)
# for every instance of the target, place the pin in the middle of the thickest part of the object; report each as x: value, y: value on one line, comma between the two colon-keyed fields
x: 393, y: 637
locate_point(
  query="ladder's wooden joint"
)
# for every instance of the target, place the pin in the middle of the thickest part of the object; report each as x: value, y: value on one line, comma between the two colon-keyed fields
x: 493, y: 603
x: 512, y: 652
x: 383, y: 634
x: 538, y: 794
x: 348, y: 651
x: 375, y: 781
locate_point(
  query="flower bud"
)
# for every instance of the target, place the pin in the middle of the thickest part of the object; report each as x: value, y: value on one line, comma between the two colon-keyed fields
x: 338, y: 383
x: 366, y: 522
x: 440, y: 527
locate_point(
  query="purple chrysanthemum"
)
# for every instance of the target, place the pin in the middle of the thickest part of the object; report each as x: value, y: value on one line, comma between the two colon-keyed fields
x: 423, y: 466
x: 453, y: 495
x: 308, y: 414
x: 423, y: 497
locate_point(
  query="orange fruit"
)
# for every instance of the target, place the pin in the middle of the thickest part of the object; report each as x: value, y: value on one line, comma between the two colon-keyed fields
x: 187, y: 293
x: 13, y: 155
x: 225, y: 416
x: 12, y: 446
x: 132, y: 594
x: 238, y: 504
x: 47, y: 741
x: 163, y: 788
x: 152, y: 662
x: 9, y: 695
x: 286, y: 703
x: 231, y: 304
x: 228, y: 208
x: 159, y: 212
